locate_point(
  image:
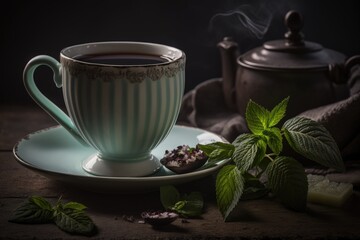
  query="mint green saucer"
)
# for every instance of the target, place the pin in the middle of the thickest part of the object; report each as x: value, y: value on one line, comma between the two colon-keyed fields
x: 54, y: 153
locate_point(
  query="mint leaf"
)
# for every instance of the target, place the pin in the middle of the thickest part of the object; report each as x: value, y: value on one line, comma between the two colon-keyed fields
x: 72, y: 220
x: 240, y: 139
x: 178, y: 206
x: 253, y: 188
x: 69, y: 217
x: 278, y: 112
x: 257, y: 117
x: 169, y: 196
x: 274, y: 139
x: 313, y: 141
x: 229, y: 188
x: 217, y: 150
x: 35, y: 210
x: 75, y: 206
x: 254, y: 192
x: 249, y: 152
x: 188, y: 205
x: 191, y: 205
x: 287, y: 180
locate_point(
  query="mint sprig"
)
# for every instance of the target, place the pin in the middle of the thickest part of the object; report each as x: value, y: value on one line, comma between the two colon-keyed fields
x: 187, y: 205
x: 69, y: 217
x: 257, y: 155
x: 35, y: 210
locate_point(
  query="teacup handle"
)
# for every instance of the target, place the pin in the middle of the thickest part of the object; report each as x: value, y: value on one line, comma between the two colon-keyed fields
x: 53, y: 110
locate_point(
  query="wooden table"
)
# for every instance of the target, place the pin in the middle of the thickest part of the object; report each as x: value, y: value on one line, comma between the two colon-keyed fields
x: 257, y: 219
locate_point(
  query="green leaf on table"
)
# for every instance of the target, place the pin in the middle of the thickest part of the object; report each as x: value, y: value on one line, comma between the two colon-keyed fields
x: 75, y: 206
x: 257, y: 117
x: 69, y: 217
x: 249, y: 151
x: 274, y: 139
x: 35, y: 210
x: 313, y: 141
x: 190, y: 205
x: 72, y: 220
x: 229, y: 188
x: 278, y: 112
x: 169, y: 196
x: 187, y: 205
x: 287, y: 180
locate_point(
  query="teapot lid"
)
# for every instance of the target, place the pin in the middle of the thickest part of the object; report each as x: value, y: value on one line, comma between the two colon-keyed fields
x: 292, y: 52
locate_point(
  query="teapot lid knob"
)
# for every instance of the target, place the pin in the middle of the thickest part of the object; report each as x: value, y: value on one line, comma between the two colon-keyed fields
x: 294, y: 22
x: 294, y: 38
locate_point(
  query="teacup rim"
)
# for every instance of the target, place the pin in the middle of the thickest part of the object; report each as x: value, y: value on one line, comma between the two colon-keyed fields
x: 181, y: 53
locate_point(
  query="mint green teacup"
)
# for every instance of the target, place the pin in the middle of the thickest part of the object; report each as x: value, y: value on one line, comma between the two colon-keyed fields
x: 122, y: 98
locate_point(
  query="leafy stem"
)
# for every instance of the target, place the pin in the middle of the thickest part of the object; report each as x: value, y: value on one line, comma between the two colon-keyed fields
x: 69, y: 217
x: 257, y: 155
x: 270, y: 155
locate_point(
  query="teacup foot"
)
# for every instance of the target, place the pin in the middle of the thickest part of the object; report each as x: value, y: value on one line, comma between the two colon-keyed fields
x: 111, y: 168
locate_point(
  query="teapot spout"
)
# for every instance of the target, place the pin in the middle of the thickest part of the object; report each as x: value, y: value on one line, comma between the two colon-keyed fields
x: 228, y: 52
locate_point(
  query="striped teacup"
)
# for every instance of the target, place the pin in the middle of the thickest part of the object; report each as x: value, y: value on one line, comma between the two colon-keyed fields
x: 122, y: 98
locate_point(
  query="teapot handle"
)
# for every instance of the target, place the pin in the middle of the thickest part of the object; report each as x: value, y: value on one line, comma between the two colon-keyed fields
x: 339, y: 73
x: 351, y: 62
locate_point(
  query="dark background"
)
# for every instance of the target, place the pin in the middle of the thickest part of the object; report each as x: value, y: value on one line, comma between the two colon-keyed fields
x: 30, y: 28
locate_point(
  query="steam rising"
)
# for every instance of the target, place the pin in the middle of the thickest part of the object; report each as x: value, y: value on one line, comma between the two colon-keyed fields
x: 253, y: 20
x: 257, y: 23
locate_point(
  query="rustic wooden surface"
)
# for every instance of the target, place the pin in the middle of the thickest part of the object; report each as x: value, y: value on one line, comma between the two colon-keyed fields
x: 258, y: 219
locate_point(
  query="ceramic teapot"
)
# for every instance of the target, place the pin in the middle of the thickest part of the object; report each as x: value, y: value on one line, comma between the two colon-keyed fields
x: 311, y: 75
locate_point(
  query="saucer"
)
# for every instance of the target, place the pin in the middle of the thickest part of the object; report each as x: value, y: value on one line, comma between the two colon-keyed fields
x: 54, y: 153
